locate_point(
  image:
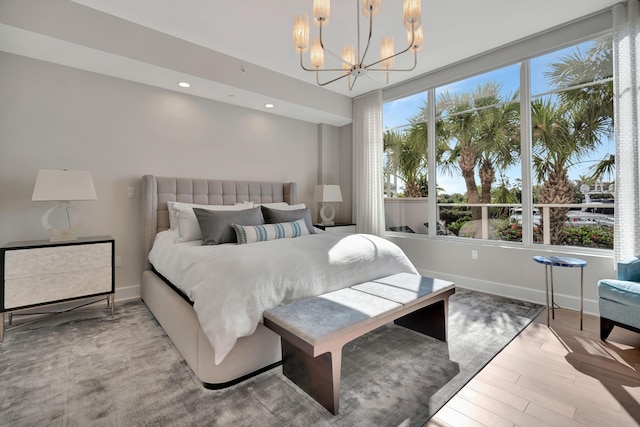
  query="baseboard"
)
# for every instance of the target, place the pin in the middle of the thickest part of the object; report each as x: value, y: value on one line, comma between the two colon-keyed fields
x: 128, y: 293
x: 516, y: 292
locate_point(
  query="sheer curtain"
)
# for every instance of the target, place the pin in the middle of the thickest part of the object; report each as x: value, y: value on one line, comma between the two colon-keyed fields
x: 626, y: 46
x: 368, y: 198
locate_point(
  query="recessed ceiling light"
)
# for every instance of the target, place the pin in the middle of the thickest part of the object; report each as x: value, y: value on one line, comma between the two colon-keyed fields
x: 269, y: 105
x: 184, y: 84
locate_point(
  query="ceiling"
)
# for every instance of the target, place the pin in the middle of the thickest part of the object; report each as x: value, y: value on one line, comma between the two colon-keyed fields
x: 241, y: 52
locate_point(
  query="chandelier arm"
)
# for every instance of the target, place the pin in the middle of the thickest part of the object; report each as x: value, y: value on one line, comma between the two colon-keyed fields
x: 302, y: 64
x: 354, y: 82
x: 377, y: 79
x: 397, y: 54
x: 330, y: 81
x: 319, y: 69
x: 366, y: 49
x: 415, y: 62
x: 339, y: 58
x: 358, y: 61
x: 335, y: 55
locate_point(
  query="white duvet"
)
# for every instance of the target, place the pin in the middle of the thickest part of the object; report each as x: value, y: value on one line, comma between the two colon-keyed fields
x: 232, y: 285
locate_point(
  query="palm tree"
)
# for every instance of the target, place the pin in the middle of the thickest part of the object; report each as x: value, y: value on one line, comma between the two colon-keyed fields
x: 498, y: 138
x: 554, y: 152
x: 455, y: 113
x: 406, y: 157
x: 577, y: 68
x: 503, y: 193
x: 561, y: 138
x: 459, y: 123
x: 605, y: 167
x: 482, y: 133
x: 568, y: 129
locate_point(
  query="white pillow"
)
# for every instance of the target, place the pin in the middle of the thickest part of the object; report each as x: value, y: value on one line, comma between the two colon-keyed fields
x: 173, y: 221
x: 186, y: 220
x: 262, y: 233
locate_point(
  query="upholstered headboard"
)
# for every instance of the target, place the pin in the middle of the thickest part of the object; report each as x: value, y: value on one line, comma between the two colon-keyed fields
x: 157, y: 191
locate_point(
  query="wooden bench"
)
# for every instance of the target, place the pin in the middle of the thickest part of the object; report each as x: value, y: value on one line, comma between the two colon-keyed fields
x: 314, y: 330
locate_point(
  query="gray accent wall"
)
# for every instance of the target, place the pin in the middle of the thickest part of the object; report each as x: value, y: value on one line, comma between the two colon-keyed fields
x: 54, y: 117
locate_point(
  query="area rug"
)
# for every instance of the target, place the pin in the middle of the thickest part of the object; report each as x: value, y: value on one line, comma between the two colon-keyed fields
x: 84, y: 369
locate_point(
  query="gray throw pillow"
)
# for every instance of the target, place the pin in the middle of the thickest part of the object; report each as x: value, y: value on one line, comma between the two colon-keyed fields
x: 275, y: 216
x: 216, y: 228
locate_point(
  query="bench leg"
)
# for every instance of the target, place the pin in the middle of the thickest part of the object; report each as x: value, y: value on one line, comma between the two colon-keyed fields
x: 430, y: 320
x: 318, y: 376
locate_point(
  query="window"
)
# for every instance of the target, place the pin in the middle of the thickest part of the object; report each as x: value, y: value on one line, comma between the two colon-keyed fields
x: 573, y: 151
x: 478, y: 153
x: 478, y: 146
x: 405, y: 164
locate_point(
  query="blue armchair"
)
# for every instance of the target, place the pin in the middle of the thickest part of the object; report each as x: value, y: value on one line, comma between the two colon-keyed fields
x: 619, y: 299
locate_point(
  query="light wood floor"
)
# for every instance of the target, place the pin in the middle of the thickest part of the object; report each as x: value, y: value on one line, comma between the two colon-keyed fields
x: 554, y: 376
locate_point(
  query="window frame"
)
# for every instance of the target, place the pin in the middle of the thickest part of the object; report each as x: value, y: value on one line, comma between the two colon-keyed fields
x: 520, y: 52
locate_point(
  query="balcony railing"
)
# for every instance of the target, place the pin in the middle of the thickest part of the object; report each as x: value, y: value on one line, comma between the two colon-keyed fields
x: 504, y: 221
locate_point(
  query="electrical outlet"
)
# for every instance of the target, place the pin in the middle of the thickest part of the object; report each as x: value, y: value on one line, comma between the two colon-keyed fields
x: 131, y: 192
x: 474, y: 254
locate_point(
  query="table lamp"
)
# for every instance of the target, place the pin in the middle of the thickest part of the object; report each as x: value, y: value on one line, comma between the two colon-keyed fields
x: 327, y: 194
x: 63, y: 186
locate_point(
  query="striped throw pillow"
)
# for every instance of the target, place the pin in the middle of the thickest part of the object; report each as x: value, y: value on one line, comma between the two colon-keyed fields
x: 264, y: 232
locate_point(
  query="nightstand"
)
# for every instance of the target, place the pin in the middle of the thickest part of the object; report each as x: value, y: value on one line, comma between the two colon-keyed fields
x: 337, y: 228
x: 39, y: 273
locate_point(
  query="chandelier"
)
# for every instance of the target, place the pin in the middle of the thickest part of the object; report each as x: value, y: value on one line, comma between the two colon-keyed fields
x: 352, y: 65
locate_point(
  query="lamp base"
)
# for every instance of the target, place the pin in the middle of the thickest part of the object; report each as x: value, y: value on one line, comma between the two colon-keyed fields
x: 58, y: 234
x: 327, y: 217
x: 61, y: 237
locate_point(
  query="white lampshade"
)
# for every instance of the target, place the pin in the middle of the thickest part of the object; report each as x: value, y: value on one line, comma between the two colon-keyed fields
x: 327, y: 193
x: 316, y: 54
x: 412, y: 13
x: 63, y: 185
x: 301, y: 32
x: 386, y: 51
x: 349, y: 57
x: 418, y: 38
x: 370, y: 7
x: 321, y: 10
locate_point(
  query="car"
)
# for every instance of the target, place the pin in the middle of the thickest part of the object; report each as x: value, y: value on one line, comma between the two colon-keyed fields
x: 516, y: 215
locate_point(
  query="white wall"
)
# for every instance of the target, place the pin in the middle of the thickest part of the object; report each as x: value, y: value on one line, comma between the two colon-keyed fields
x: 507, y: 270
x: 344, y: 213
x: 335, y: 166
x: 54, y: 117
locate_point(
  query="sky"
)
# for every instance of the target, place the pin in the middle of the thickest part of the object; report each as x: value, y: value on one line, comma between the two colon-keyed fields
x: 399, y: 112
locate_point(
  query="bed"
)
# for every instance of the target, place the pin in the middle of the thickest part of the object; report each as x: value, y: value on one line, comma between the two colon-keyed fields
x: 180, y: 309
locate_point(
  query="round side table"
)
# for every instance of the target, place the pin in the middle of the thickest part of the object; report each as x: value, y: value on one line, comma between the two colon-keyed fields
x: 554, y: 261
